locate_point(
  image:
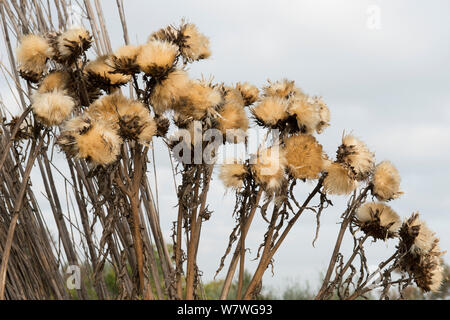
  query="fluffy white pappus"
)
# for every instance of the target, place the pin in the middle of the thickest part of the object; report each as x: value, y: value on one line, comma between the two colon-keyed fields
x: 103, y: 67
x: 95, y: 140
x: 100, y: 145
x: 269, y: 166
x: 381, y: 214
x: 425, y: 239
x: 52, y: 108
x: 270, y: 111
x: 386, y: 181
x: 200, y: 99
x: 281, y: 89
x: 249, y: 92
x: 167, y: 93
x: 128, y: 52
x: 32, y: 54
x: 195, y: 45
x: 136, y: 120
x: 437, y: 277
x: 355, y: 154
x: 156, y: 56
x: 306, y: 113
x: 232, y: 174
x: 56, y: 80
x: 73, y: 41
x: 338, y: 180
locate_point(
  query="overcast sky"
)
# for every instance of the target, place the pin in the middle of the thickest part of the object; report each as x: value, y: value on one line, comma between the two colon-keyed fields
x: 385, y: 80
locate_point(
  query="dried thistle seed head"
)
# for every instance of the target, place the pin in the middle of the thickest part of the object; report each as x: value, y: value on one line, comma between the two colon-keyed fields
x: 249, y: 92
x: 124, y: 59
x: 233, y: 95
x: 157, y: 57
x: 180, y: 120
x: 101, y: 73
x: 378, y: 220
x: 304, y: 156
x: 232, y: 120
x: 169, y: 33
x: 232, y: 174
x: 32, y: 54
x: 57, y: 80
x: 354, y: 154
x: 386, y: 182
x: 416, y: 236
x: 136, y: 123
x: 94, y: 140
x: 200, y: 99
x: 420, y: 254
x: 426, y: 270
x: 324, y: 114
x: 108, y: 106
x: 270, y: 111
x: 162, y: 126
x: 193, y: 45
x: 339, y: 180
x: 167, y: 93
x: 268, y: 167
x: 128, y: 52
x: 70, y: 129
x: 281, y: 89
x: 434, y: 279
x: 130, y: 116
x: 72, y: 43
x: 306, y: 113
x: 52, y: 108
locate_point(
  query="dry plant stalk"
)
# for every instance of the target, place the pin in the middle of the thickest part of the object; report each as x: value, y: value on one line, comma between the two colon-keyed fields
x: 74, y: 102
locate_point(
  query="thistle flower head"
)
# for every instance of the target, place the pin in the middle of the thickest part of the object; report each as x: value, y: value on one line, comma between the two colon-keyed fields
x: 128, y: 52
x: 101, y: 73
x: 249, y: 92
x: 202, y: 98
x: 156, y: 57
x: 72, y: 43
x: 270, y: 111
x: 306, y: 113
x: 57, y: 80
x: 386, y: 181
x: 268, y: 167
x: 94, y: 140
x: 416, y: 235
x: 167, y: 93
x: 232, y: 120
x: 304, y: 156
x: 162, y: 126
x: 52, y: 108
x: 354, y: 154
x: 232, y: 174
x: 136, y: 123
x: 324, y: 114
x: 194, y: 45
x: 107, y: 107
x: 420, y: 254
x: 124, y: 59
x: 281, y: 89
x: 339, y: 180
x: 378, y: 220
x: 32, y: 54
x: 130, y: 116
